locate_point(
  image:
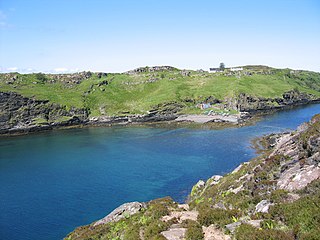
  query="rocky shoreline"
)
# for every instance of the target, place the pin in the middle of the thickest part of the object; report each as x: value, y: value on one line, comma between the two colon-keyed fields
x: 21, y: 115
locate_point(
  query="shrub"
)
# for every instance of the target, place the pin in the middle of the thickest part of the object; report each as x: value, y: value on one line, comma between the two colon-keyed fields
x: 194, y: 231
x: 208, y: 216
x: 41, y: 77
x: 248, y: 232
x: 278, y: 195
x: 303, y: 214
x: 154, y: 229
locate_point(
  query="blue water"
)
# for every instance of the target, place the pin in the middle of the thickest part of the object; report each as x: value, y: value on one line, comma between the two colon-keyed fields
x: 52, y: 182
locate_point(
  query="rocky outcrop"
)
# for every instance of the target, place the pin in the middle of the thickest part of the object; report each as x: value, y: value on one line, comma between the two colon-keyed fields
x: 263, y: 206
x: 175, y: 232
x: 72, y: 78
x: 151, y: 69
x: 19, y: 114
x: 214, y: 233
x: 124, y: 211
x: 247, y: 103
x: 161, y: 112
x: 302, y: 165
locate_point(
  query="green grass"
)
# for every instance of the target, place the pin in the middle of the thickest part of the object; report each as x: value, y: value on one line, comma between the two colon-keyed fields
x: 135, y: 95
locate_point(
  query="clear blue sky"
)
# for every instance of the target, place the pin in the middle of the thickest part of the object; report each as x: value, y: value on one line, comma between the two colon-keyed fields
x: 119, y: 35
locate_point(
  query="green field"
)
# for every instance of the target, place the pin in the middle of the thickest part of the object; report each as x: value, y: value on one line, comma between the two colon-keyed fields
x: 140, y: 92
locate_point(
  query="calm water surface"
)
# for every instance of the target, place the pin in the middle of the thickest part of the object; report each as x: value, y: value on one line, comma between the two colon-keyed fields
x: 52, y: 182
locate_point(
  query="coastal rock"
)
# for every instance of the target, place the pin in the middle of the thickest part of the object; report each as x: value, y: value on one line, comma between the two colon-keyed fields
x: 181, y: 216
x: 215, y: 179
x: 263, y: 206
x: 125, y: 210
x: 296, y: 178
x: 174, y: 233
x: 247, y: 103
x: 213, y: 233
x: 232, y: 226
x: 21, y: 114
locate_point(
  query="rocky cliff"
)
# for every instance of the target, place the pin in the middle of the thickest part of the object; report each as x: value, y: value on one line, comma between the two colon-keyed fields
x: 274, y: 196
x: 19, y: 114
x: 252, y: 104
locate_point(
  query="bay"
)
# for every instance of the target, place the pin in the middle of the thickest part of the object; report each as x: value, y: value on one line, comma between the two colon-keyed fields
x: 52, y: 182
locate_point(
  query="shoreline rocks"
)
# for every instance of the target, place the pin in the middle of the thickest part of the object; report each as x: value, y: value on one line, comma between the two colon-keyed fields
x: 123, y: 211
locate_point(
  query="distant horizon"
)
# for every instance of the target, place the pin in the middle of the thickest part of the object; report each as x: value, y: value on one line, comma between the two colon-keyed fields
x: 192, y: 69
x: 118, y: 35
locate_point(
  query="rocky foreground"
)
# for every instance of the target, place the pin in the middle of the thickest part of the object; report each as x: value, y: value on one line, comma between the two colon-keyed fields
x: 274, y: 196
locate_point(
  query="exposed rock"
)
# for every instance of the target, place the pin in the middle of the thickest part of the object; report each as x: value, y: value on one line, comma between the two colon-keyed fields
x: 220, y: 205
x: 232, y: 226
x: 125, y: 210
x: 70, y: 78
x: 184, y: 206
x: 213, y: 233
x: 101, y: 74
x: 263, y: 206
x: 185, y: 73
x: 21, y: 114
x: 291, y: 197
x: 236, y: 190
x: 215, y: 179
x: 296, y: 178
x: 301, y: 148
x: 254, y: 223
x: 103, y: 83
x: 181, y: 216
x: 200, y: 184
x: 151, y: 69
x: 246, y: 103
x: 174, y: 233
x: 237, y: 169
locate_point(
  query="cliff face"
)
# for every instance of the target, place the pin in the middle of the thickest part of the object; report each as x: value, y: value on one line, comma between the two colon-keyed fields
x: 19, y: 114
x: 274, y: 196
x: 247, y: 103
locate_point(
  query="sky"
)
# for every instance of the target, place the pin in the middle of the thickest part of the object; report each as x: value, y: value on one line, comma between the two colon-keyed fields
x: 120, y: 35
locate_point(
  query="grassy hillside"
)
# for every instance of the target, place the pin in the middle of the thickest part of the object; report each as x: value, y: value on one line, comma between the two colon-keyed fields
x: 139, y: 92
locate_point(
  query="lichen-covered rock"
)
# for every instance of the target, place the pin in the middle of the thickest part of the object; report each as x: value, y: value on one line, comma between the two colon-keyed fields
x: 295, y: 177
x: 213, y: 233
x: 175, y: 233
x: 125, y: 210
x: 263, y: 206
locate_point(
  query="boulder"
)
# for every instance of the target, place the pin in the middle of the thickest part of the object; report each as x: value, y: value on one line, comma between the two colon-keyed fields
x: 232, y: 226
x: 125, y: 210
x: 174, y: 233
x: 263, y: 206
x: 212, y: 232
x: 215, y: 179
